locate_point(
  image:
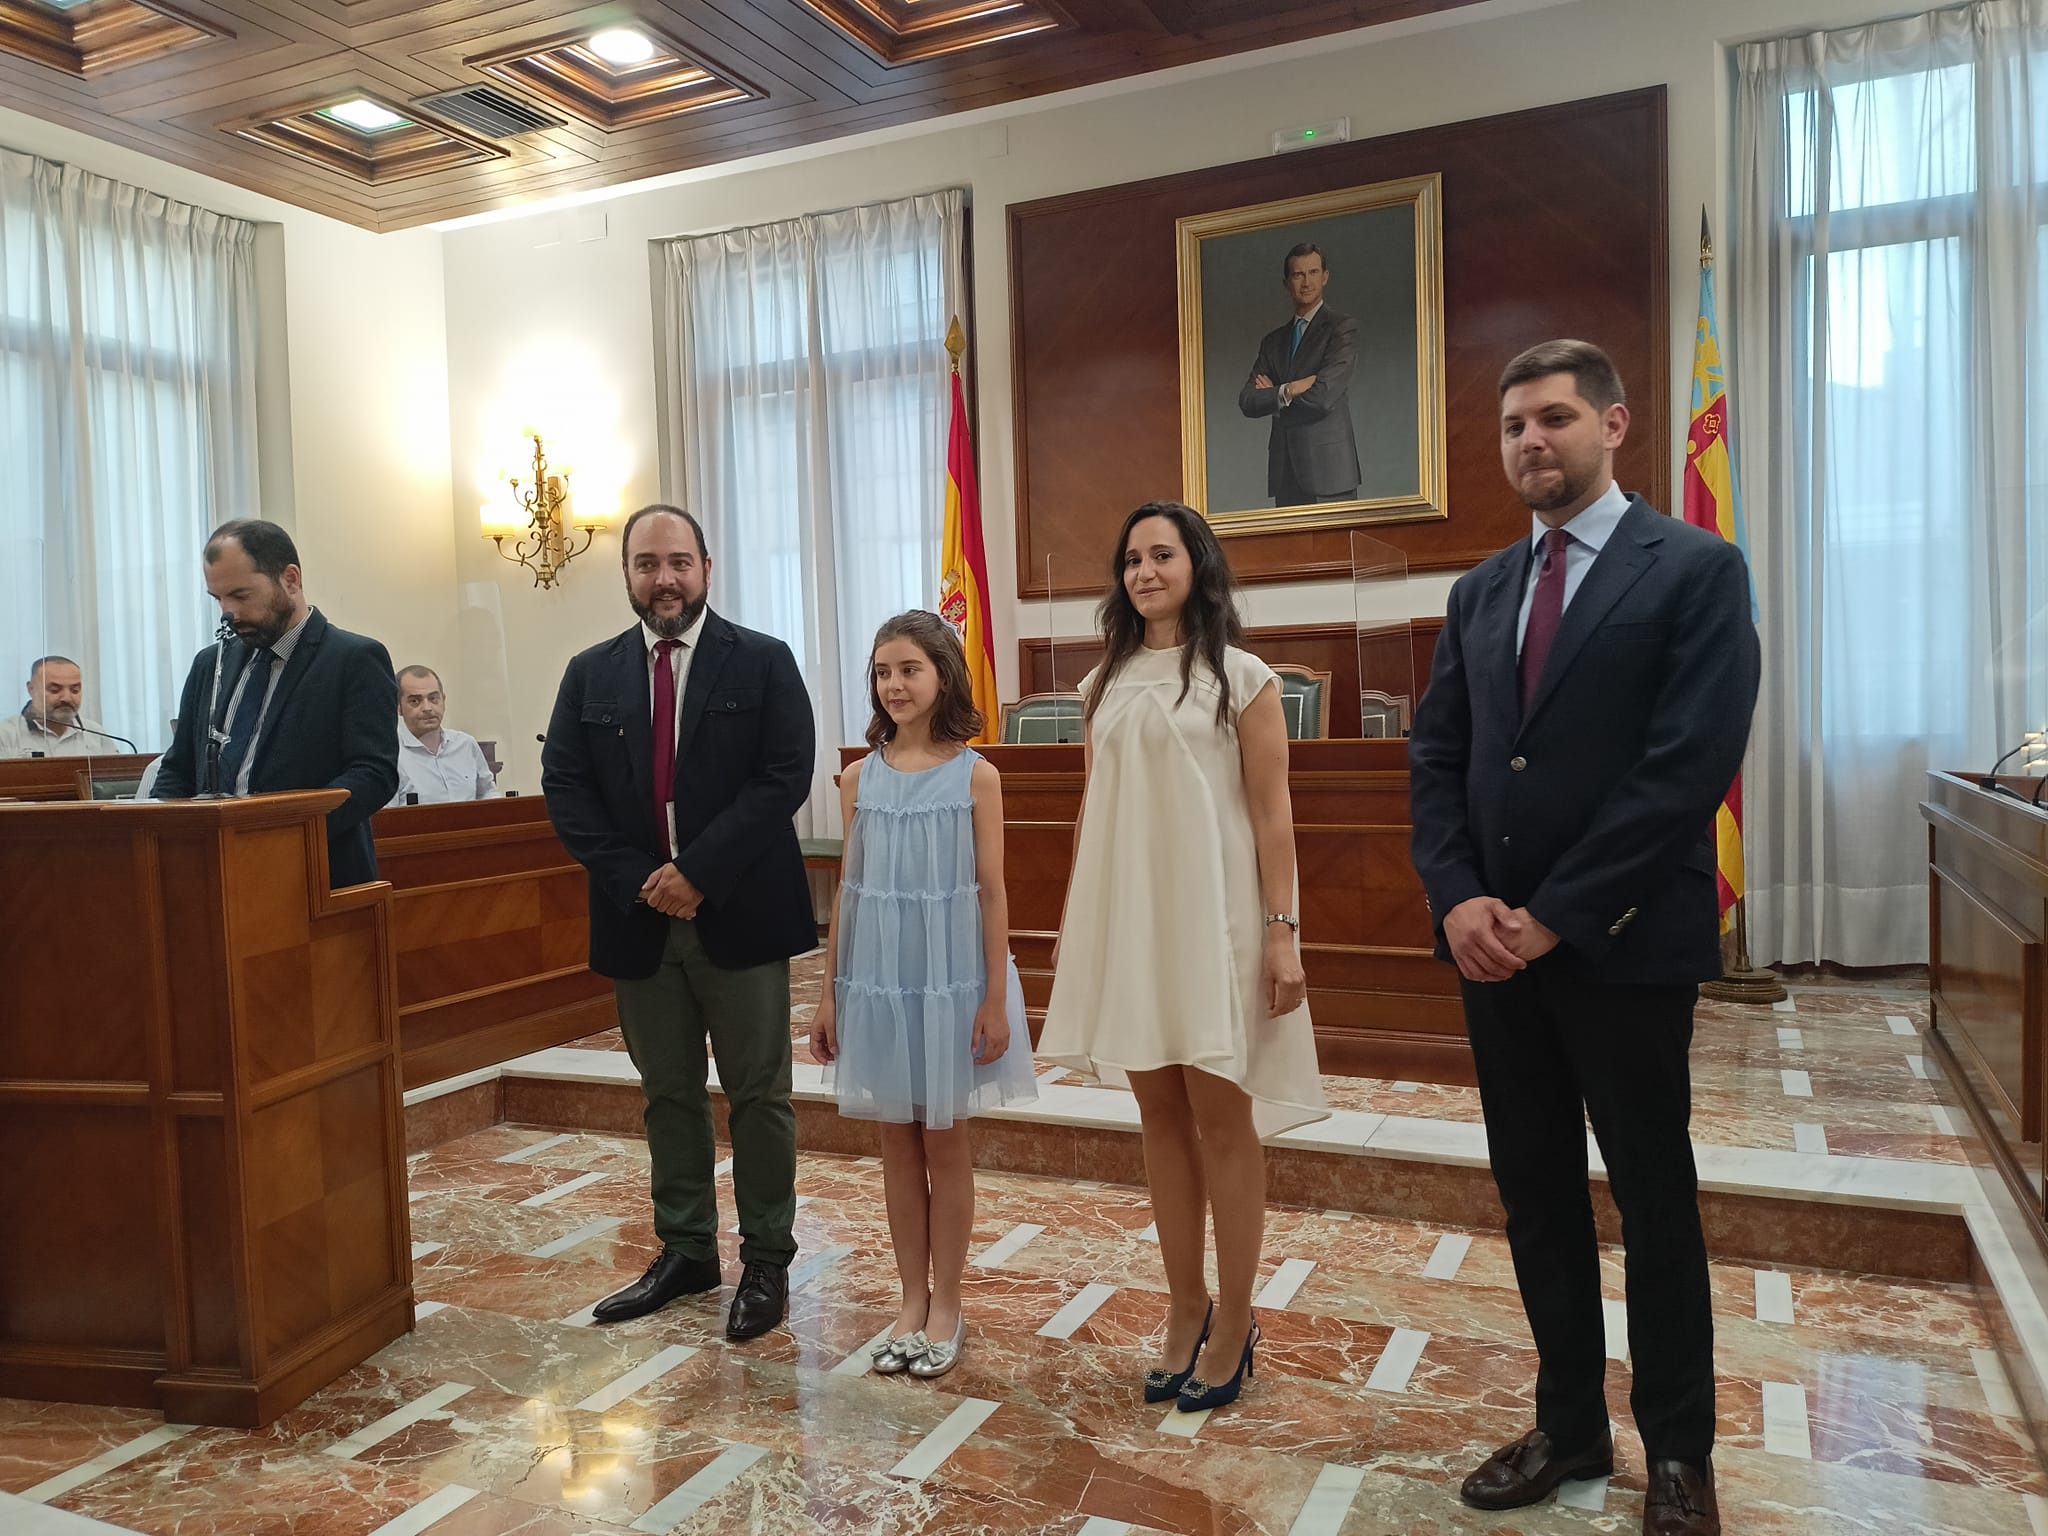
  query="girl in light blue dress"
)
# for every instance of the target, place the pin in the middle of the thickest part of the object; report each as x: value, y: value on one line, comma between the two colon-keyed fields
x: 909, y: 1028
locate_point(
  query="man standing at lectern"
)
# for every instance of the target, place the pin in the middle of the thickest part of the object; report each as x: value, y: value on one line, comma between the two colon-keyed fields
x: 292, y: 702
x: 1587, y: 710
x: 675, y: 762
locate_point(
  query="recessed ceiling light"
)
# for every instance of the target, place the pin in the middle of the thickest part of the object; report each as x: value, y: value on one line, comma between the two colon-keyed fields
x: 365, y: 115
x: 622, y: 45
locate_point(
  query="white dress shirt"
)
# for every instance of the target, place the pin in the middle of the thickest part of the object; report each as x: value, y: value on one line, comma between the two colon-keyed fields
x: 678, y: 663
x: 26, y: 735
x: 455, y: 773
x: 280, y: 656
x: 1585, y: 536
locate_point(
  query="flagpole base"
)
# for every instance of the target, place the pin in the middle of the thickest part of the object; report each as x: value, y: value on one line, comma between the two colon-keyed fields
x: 1745, y: 986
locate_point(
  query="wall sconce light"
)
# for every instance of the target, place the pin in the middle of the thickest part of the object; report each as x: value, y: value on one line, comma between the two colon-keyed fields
x: 542, y: 528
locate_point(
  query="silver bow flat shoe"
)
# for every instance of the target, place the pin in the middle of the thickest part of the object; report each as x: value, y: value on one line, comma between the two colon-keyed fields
x: 893, y: 1357
x: 938, y: 1359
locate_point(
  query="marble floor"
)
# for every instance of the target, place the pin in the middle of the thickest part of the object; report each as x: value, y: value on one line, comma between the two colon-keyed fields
x: 1395, y: 1356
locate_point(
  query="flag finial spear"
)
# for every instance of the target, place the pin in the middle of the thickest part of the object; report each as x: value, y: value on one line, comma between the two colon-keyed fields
x: 956, y: 342
x: 1706, y: 241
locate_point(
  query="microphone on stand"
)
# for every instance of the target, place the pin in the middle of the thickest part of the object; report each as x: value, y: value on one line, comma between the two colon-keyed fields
x: 216, y: 738
x: 108, y: 736
x: 1990, y: 780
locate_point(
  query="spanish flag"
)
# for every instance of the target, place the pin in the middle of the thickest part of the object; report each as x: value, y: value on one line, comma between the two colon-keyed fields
x: 1712, y: 502
x: 963, y: 569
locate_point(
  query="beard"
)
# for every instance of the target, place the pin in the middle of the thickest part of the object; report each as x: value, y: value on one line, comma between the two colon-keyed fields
x: 270, y: 628
x: 672, y: 626
x: 1569, y: 488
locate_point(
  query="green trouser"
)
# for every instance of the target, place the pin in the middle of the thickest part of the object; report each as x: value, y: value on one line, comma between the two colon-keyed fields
x: 745, y: 1013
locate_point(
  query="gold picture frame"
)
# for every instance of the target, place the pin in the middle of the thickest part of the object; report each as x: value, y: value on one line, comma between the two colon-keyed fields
x: 1220, y: 240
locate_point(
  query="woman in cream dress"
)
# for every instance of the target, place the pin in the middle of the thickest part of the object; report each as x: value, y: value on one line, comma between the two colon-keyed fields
x: 1179, y: 969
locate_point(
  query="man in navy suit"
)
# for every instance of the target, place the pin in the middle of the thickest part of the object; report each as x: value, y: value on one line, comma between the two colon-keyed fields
x: 293, y: 702
x: 1302, y: 379
x: 1586, y: 712
x: 676, y: 759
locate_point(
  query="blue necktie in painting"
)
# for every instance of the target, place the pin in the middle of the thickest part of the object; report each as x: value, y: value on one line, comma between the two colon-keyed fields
x: 248, y: 711
x: 1300, y: 328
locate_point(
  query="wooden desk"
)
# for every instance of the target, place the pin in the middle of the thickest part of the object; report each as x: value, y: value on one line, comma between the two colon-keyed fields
x: 490, y: 932
x: 1383, y: 1006
x: 65, y: 778
x: 1987, y: 871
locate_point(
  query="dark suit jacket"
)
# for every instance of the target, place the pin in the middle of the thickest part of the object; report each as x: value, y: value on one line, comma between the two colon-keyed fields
x: 1595, y: 812
x: 746, y: 743
x: 330, y: 724
x: 1313, y: 435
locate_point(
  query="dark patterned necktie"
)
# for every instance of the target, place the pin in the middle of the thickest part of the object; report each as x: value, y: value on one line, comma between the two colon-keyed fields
x: 1544, y: 615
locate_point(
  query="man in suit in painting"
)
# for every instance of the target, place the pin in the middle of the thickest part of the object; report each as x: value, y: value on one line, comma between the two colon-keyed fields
x: 1587, y: 710
x: 675, y: 762
x: 1302, y: 379
x: 290, y: 702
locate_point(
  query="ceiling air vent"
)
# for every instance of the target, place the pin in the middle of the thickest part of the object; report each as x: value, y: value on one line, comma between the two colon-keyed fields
x: 491, y: 113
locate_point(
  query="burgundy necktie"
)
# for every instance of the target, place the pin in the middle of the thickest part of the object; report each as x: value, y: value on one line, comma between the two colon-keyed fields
x: 665, y: 731
x: 1545, y: 614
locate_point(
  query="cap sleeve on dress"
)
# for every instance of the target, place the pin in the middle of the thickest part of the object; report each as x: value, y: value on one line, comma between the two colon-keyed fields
x: 1247, y: 676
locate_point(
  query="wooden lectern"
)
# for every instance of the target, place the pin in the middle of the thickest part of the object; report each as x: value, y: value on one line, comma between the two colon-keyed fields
x: 199, y: 1109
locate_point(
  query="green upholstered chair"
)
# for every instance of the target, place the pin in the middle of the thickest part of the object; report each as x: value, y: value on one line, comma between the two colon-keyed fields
x: 1044, y: 719
x: 1305, y: 700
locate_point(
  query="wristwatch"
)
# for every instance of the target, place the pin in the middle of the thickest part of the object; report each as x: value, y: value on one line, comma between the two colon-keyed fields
x: 1284, y: 917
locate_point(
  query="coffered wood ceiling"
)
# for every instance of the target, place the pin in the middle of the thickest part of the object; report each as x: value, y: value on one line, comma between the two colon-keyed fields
x: 226, y: 86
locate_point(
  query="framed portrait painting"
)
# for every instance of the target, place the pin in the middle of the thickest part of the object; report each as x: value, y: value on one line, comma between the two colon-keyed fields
x: 1311, y: 359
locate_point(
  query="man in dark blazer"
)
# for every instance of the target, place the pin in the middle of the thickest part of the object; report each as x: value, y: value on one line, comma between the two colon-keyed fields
x: 1302, y: 379
x: 291, y: 702
x: 1586, y: 712
x: 676, y: 759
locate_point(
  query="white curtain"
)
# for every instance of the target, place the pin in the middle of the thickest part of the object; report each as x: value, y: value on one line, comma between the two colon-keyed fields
x: 127, y: 429
x: 809, y: 390
x: 1889, y: 374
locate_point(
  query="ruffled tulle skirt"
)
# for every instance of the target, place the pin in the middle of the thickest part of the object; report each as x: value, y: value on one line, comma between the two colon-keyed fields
x: 908, y: 1054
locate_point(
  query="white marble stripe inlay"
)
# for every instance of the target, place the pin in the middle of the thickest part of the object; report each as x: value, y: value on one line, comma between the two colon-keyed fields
x: 1785, y: 1425
x: 1784, y: 1005
x: 1586, y: 1493
x: 1901, y: 1025
x: 443, y: 1501
x: 1053, y: 1076
x: 537, y: 1147
x: 578, y: 1238
x: 569, y: 1187
x: 613, y: 1393
x: 2037, y: 1513
x: 1797, y: 1085
x: 1615, y: 1315
x: 399, y: 1418
x: 426, y: 1250
x: 582, y: 1317
x: 107, y: 1460
x: 1397, y: 1361
x: 1328, y: 1502
x: 1406, y: 1087
x: 1447, y: 1257
x: 1097, y: 1526
x: 416, y: 1196
x: 1791, y: 1040
x: 1150, y: 1234
x: 1280, y: 1289
x: 1998, y: 1393
x: 720, y: 1169
x: 1773, y: 1296
x: 1944, y: 1120
x: 1004, y: 1248
x: 1184, y: 1425
x: 862, y: 1360
x: 1063, y: 1323
x: 426, y: 1309
x: 701, y: 1489
x: 1810, y: 1138
x: 1917, y: 1065
x: 930, y: 1453
x: 806, y: 1270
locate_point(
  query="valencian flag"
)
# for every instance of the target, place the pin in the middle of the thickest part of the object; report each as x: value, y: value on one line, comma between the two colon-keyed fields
x: 963, y: 569
x: 1712, y: 502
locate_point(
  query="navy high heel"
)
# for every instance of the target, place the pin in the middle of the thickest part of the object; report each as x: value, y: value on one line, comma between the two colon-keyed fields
x: 1196, y: 1394
x: 1164, y: 1386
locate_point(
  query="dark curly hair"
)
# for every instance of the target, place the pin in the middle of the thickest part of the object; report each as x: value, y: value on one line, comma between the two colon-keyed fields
x: 954, y: 717
x: 1208, y: 623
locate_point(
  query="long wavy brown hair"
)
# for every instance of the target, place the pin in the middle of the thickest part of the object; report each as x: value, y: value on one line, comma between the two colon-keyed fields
x: 1208, y: 623
x: 954, y: 717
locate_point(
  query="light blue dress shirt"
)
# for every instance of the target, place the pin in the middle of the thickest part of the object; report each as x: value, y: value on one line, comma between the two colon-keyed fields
x: 1585, y: 536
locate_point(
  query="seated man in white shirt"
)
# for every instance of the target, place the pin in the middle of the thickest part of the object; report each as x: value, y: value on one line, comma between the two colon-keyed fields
x: 50, y: 724
x: 436, y: 765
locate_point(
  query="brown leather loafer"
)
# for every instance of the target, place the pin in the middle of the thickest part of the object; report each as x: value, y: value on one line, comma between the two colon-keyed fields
x: 1529, y: 1470
x: 1680, y: 1502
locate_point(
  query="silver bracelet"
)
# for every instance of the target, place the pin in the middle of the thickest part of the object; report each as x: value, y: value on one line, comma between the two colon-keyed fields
x: 1284, y: 917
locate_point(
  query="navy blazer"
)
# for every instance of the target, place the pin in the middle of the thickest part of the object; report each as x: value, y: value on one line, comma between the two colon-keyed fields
x: 1596, y: 810
x: 744, y: 754
x: 331, y: 724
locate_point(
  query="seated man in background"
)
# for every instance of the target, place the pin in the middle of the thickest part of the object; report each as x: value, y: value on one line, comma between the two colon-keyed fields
x: 49, y: 724
x: 436, y: 765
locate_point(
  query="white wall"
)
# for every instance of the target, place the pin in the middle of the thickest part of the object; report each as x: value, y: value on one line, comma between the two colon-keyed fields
x: 353, y: 321
x: 526, y: 290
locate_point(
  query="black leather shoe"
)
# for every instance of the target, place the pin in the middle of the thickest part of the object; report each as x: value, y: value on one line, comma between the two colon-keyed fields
x: 760, y: 1301
x: 1681, y: 1502
x: 668, y: 1277
x: 1527, y: 1471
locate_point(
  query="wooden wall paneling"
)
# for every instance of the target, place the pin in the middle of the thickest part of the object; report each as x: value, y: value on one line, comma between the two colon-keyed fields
x: 1096, y: 365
